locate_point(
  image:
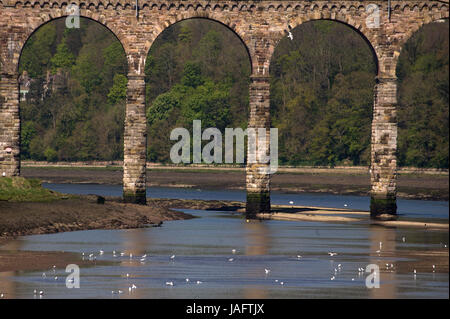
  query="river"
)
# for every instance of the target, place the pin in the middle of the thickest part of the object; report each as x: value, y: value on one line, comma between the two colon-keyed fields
x: 221, y: 255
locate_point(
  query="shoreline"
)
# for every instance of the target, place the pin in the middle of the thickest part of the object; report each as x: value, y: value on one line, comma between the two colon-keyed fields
x: 84, y: 213
x: 337, y: 182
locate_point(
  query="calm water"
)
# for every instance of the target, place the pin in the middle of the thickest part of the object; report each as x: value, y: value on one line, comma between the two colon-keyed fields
x: 203, y: 248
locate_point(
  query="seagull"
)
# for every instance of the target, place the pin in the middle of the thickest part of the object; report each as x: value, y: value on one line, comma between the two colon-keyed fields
x: 345, y: 205
x: 172, y: 257
x: 281, y: 283
x: 101, y: 252
x: 403, y: 239
x: 198, y: 282
x: 231, y: 259
x: 266, y: 271
x: 41, y: 292
x: 187, y: 279
x: 233, y: 251
x: 144, y: 256
x: 291, y: 202
x: 332, y: 254
x: 44, y: 275
x: 169, y: 283
x: 131, y: 256
x: 290, y: 36
x: 298, y: 256
x: 332, y: 278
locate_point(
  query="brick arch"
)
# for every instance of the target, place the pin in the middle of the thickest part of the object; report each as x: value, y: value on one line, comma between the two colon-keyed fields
x: 46, y: 18
x: 189, y: 15
x: 298, y: 22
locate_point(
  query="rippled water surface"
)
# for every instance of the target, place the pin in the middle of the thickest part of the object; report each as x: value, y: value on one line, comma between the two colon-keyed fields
x: 203, y: 249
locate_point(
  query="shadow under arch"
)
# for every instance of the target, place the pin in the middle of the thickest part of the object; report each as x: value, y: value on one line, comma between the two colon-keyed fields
x: 349, y: 26
x: 207, y: 19
x: 64, y: 17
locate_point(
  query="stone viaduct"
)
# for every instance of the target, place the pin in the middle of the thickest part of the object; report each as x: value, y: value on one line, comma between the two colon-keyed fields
x: 260, y: 24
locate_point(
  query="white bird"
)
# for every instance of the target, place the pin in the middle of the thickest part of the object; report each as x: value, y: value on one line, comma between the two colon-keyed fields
x: 282, y: 283
x: 290, y: 36
x: 345, y: 205
x: 4, y: 174
x: 133, y: 286
x: 298, y: 256
x: 44, y: 275
x: 187, y: 279
x: 276, y: 280
x: 172, y: 257
x: 332, y: 254
x: 101, y: 252
x: 231, y: 259
x: 131, y: 256
x: 122, y: 254
x: 415, y: 271
x: 403, y: 239
x: 266, y: 271
x: 41, y: 292
x: 144, y: 256
x: 198, y: 282
x: 291, y: 202
x: 169, y: 283
x: 332, y: 278
x: 233, y: 251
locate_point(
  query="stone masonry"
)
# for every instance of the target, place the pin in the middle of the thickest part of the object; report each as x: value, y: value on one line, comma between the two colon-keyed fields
x: 260, y: 25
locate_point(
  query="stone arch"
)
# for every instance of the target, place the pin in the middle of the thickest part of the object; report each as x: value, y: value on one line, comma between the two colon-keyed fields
x: 413, y: 29
x: 46, y: 18
x: 188, y: 15
x: 298, y: 22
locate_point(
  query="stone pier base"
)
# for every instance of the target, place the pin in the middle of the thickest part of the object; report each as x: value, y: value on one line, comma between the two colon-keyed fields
x: 257, y: 203
x: 382, y: 205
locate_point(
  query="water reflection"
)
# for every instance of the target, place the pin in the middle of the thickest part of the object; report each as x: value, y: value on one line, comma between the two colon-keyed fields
x: 257, y: 239
x: 8, y: 287
x: 382, y: 252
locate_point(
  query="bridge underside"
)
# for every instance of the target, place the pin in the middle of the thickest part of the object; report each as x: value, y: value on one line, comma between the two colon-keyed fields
x: 260, y: 25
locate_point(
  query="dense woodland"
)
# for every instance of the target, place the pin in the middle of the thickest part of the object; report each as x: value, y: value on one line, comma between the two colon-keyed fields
x: 321, y: 92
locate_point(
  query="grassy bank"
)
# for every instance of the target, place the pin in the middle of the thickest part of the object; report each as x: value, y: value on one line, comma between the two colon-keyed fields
x: 19, y: 189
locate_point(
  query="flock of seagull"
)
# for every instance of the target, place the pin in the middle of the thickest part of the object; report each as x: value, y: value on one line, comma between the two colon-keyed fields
x: 267, y: 271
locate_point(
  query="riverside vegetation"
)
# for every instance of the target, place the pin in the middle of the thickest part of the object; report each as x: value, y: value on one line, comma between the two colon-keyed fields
x: 199, y: 69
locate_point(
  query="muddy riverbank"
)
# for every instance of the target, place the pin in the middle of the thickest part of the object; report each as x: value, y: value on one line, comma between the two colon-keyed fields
x: 411, y: 186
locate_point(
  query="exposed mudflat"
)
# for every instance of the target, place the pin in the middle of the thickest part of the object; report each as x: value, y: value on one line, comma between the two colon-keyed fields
x: 413, y: 186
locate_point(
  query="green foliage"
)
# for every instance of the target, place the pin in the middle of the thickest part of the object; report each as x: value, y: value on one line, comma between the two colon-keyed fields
x: 38, y: 51
x: 19, y: 189
x: 118, y: 91
x: 424, y: 98
x: 321, y: 92
x: 63, y: 58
